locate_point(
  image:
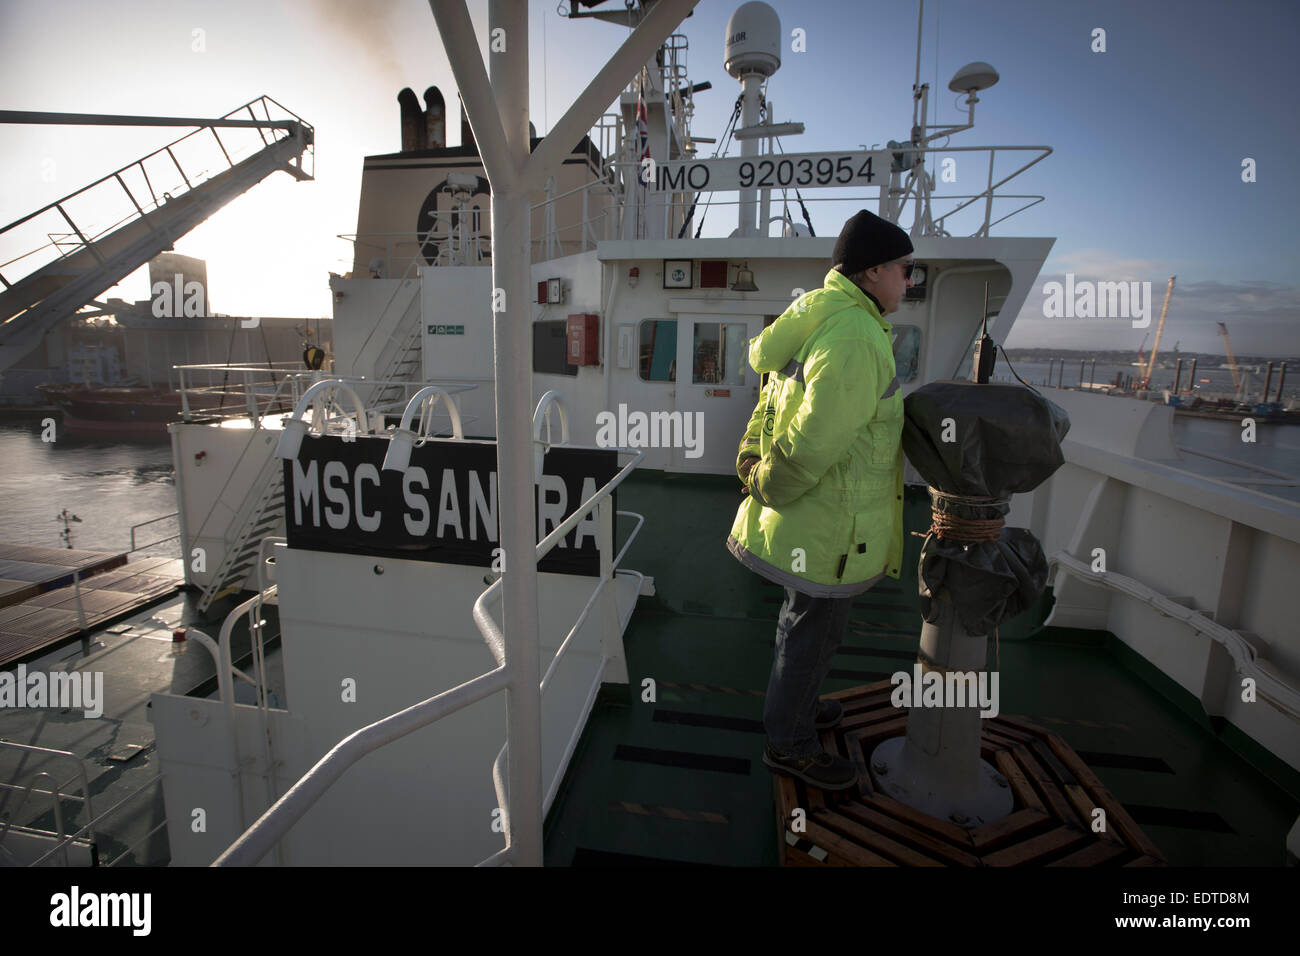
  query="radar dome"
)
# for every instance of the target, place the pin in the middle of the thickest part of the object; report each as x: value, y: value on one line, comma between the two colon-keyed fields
x: 753, y: 42
x: 973, y: 76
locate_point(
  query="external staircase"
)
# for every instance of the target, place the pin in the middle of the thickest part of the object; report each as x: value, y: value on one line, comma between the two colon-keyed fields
x: 261, y: 514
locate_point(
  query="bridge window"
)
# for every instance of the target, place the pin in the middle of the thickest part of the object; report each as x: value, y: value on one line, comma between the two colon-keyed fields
x: 721, y: 353
x: 659, y: 350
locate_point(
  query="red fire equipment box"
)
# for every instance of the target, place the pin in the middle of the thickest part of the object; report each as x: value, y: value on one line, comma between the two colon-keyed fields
x: 584, y: 339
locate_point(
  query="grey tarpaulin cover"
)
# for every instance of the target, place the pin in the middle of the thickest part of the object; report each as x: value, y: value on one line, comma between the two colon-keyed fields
x: 1006, y: 439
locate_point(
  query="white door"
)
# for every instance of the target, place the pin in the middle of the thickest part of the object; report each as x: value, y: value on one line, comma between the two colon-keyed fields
x: 716, y: 389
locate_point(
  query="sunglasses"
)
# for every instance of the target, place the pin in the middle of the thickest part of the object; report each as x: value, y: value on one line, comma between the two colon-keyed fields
x: 907, y: 269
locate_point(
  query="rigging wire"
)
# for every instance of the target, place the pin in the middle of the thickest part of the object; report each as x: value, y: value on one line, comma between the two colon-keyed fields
x: 726, y: 140
x: 799, y: 198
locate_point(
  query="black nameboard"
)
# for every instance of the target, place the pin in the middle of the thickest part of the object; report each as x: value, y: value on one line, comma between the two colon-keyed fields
x: 338, y: 498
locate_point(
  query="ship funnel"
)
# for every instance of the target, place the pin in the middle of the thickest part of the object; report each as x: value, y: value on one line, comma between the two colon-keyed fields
x: 753, y: 43
x: 413, y: 135
x: 435, y: 119
x: 466, y: 134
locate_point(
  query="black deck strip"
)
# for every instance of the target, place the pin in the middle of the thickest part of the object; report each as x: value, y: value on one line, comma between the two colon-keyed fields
x: 881, y: 606
x: 582, y: 856
x: 876, y: 589
x: 884, y: 630
x: 1052, y: 762
x: 1175, y: 817
x: 865, y: 651
x: 869, y: 677
x: 715, y: 689
x: 670, y: 813
x: 877, y: 652
x: 1097, y: 758
x: 681, y: 758
x: 690, y: 719
x: 857, y: 605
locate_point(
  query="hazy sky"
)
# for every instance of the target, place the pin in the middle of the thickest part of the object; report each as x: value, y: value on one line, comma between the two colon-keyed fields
x: 1145, y: 181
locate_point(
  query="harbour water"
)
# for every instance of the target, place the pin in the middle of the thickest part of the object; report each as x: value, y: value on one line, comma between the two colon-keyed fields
x: 109, y: 485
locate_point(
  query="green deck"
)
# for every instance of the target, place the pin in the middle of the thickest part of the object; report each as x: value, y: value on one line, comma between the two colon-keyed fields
x: 680, y: 780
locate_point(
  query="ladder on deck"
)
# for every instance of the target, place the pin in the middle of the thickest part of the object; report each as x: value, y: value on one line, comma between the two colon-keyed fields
x: 406, y: 365
x: 261, y: 514
x: 81, y: 265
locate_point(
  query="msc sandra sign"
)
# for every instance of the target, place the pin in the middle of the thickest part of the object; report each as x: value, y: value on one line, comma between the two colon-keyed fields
x: 443, y: 508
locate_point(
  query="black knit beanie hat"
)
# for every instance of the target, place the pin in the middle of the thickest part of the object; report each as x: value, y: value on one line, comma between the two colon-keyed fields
x: 867, y: 240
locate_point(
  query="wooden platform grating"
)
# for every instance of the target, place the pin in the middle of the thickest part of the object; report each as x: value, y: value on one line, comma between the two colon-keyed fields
x: 28, y: 570
x: 1050, y: 823
x: 44, y: 612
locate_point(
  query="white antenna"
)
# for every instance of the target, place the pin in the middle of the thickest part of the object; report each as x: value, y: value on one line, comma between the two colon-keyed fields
x: 752, y: 54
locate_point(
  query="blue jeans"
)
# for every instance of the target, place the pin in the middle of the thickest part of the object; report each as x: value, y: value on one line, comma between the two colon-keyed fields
x: 808, y: 633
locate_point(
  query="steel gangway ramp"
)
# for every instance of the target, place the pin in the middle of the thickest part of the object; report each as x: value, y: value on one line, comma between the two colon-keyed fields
x: 65, y: 261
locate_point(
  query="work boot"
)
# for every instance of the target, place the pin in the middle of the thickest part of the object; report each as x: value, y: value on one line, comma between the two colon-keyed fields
x: 829, y: 714
x: 822, y: 770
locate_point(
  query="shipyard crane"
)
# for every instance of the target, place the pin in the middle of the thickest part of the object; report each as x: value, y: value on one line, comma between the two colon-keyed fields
x: 72, y: 269
x: 1155, y: 346
x: 1232, y: 361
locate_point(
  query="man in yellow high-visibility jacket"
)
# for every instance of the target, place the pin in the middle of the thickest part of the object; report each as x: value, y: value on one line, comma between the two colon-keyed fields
x: 823, y: 467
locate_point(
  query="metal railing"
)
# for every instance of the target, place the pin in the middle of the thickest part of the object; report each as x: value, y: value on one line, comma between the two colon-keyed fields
x: 273, y: 825
x: 101, y: 818
x: 395, y: 254
x: 257, y: 391
x: 675, y: 213
x: 1274, y: 686
x: 252, y: 397
x: 1272, y: 476
x: 138, y: 171
x: 141, y: 524
x: 557, y: 238
x: 56, y: 793
x: 222, y: 660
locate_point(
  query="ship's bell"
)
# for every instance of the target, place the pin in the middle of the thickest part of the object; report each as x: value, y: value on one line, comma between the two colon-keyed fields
x: 744, y: 280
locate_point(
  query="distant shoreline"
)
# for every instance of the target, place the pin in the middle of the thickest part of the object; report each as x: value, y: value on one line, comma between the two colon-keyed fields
x: 1125, y: 356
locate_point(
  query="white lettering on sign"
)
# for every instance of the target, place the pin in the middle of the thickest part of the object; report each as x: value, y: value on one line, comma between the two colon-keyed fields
x: 870, y: 168
x: 333, y: 479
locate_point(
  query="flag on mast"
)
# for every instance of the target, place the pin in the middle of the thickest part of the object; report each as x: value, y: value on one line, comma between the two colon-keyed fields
x: 643, y: 139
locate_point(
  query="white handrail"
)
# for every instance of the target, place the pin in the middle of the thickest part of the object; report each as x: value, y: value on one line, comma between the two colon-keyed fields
x: 426, y: 400
x: 55, y: 797
x: 270, y: 828
x: 1245, y: 658
x: 543, y: 414
x: 103, y: 816
x: 496, y: 641
x: 81, y: 772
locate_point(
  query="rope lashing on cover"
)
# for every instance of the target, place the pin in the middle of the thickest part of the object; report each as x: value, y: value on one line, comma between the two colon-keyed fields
x: 966, y: 518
